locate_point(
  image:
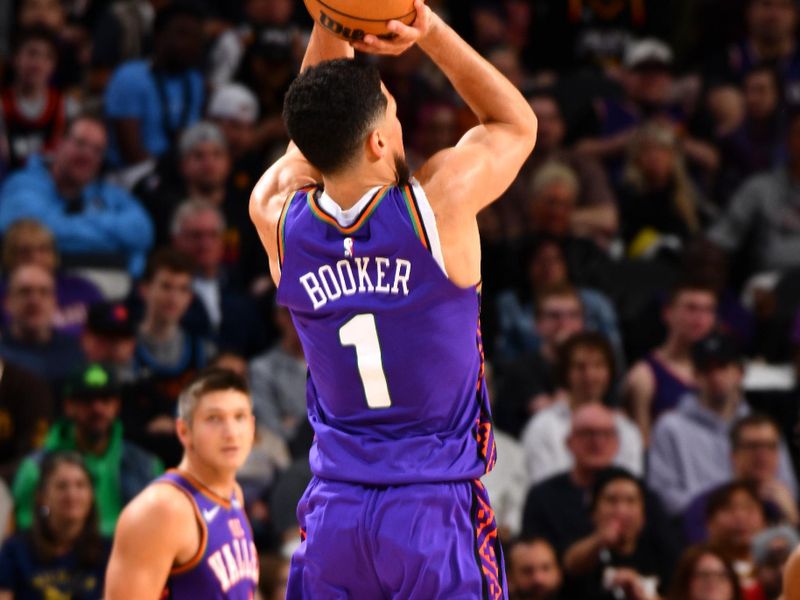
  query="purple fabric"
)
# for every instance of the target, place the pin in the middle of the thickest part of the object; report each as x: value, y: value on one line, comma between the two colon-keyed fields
x: 74, y: 296
x: 228, y: 567
x: 412, y: 542
x: 421, y: 340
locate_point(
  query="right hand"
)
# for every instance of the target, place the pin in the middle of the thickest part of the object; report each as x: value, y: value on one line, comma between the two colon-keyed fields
x: 405, y: 36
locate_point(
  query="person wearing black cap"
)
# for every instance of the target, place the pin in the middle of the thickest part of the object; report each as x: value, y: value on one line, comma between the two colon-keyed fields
x: 110, y: 338
x: 690, y: 449
x: 91, y: 426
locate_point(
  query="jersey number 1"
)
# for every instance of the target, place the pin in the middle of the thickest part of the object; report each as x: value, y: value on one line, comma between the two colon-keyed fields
x: 361, y: 332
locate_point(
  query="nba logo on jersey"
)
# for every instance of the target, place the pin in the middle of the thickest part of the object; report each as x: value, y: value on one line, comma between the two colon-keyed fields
x: 349, y: 247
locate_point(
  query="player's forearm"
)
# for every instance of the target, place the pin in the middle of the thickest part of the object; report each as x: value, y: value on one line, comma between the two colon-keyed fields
x: 324, y: 46
x: 490, y: 95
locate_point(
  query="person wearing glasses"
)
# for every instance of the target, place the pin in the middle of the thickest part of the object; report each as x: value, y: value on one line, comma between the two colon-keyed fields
x: 86, y: 215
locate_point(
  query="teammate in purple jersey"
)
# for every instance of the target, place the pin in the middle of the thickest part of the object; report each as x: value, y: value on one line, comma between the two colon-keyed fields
x: 381, y: 273
x: 187, y: 536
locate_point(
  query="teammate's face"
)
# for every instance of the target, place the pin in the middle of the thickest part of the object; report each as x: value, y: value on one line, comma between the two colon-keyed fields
x: 221, y: 431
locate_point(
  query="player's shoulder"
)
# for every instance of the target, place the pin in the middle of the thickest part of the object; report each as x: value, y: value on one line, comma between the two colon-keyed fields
x: 159, y: 505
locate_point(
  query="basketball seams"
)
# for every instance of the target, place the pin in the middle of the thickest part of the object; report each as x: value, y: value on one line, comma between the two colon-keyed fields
x: 357, y: 18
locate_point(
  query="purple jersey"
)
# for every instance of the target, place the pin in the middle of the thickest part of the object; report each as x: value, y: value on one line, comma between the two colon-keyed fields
x: 226, y: 564
x: 395, y: 391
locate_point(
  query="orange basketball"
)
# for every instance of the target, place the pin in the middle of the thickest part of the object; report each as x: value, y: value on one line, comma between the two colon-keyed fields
x: 352, y: 19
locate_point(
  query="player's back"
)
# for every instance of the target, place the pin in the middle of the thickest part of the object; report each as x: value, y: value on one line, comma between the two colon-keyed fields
x: 395, y: 389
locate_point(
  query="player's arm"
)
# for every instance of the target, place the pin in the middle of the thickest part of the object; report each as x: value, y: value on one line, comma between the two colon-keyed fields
x: 154, y: 532
x: 292, y: 171
x: 489, y: 156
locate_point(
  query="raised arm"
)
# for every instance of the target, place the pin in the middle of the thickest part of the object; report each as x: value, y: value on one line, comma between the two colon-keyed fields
x: 292, y: 170
x: 489, y: 156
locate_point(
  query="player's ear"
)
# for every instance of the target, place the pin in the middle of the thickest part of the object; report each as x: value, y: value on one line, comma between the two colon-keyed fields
x: 376, y: 144
x: 182, y: 430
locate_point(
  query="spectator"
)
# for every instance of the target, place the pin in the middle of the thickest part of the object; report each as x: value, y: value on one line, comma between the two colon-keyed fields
x: 166, y: 357
x: 734, y: 517
x: 557, y: 508
x: 621, y: 558
x: 110, y: 339
x: 755, y: 456
x: 219, y: 310
x: 757, y: 213
x: 28, y: 241
x: 528, y: 382
x: 647, y: 84
x: 545, y: 266
x: 63, y: 555
x: 33, y: 111
x: 586, y: 368
x: 278, y: 381
x: 757, y: 144
x: 704, y: 574
x: 86, y: 216
x: 26, y: 411
x: 656, y: 384
x: 659, y: 205
x: 595, y: 215
x: 30, y: 340
x: 771, y: 549
x: 507, y: 483
x: 533, y: 570
x: 769, y: 39
x: 119, y: 470
x: 691, y: 449
x: 149, y: 103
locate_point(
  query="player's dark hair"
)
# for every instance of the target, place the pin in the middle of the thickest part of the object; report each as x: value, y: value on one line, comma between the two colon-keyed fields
x: 687, y: 565
x: 89, y: 545
x: 751, y: 420
x: 330, y: 109
x: 208, y: 381
x: 167, y: 259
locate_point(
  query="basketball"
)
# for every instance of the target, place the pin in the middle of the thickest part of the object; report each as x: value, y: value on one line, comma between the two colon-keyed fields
x: 351, y: 20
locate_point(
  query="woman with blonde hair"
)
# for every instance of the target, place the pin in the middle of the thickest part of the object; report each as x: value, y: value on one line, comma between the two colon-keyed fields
x: 659, y: 204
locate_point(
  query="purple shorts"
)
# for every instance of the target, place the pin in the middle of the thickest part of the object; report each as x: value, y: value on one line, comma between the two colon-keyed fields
x: 424, y: 541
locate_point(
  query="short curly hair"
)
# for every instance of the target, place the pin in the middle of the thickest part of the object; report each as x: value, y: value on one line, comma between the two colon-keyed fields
x: 330, y: 109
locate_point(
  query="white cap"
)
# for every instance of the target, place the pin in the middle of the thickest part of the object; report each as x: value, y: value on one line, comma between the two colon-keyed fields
x: 648, y: 51
x: 234, y: 101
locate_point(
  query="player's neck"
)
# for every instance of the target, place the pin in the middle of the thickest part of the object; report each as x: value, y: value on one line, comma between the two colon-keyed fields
x: 349, y: 187
x: 222, y: 483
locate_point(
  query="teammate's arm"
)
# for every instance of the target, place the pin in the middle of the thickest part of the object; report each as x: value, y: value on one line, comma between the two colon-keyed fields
x: 292, y: 171
x: 152, y: 533
x: 489, y: 156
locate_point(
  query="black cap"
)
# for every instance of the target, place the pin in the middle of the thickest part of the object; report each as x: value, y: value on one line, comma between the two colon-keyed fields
x: 111, y: 319
x: 91, y: 381
x: 715, y: 350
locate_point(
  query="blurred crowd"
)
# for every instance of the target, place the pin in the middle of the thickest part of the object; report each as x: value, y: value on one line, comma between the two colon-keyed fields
x: 641, y: 280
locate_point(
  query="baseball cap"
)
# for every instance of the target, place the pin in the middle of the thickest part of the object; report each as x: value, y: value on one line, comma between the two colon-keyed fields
x: 715, y: 350
x: 110, y: 319
x: 199, y: 133
x: 91, y: 381
x: 235, y: 102
x: 648, y: 52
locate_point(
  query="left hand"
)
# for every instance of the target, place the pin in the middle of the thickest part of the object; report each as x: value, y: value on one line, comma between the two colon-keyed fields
x: 405, y: 36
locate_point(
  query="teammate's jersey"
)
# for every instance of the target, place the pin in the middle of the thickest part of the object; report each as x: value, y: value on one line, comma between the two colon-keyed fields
x: 395, y: 389
x: 226, y: 564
